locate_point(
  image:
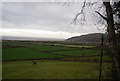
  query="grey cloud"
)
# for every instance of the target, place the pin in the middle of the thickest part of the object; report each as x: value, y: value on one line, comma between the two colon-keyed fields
x: 43, y: 16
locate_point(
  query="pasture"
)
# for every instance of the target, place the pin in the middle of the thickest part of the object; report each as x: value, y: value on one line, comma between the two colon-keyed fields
x: 51, y: 70
x: 80, y: 52
x: 23, y: 53
x: 55, y: 60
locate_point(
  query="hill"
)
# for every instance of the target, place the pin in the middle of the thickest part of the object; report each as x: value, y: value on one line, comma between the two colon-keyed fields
x: 94, y: 37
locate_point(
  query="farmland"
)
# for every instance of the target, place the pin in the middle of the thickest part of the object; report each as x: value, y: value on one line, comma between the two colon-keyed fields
x: 26, y: 54
x: 51, y: 70
x: 55, y: 60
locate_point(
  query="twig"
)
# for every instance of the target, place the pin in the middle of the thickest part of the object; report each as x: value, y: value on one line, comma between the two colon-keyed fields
x: 101, y: 15
x: 81, y: 12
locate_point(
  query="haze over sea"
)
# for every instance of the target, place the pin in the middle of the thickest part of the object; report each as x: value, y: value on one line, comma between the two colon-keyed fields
x: 30, y: 38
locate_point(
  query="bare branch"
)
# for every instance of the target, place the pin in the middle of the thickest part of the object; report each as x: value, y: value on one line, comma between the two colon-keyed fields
x: 64, y: 3
x: 74, y: 20
x: 99, y: 21
x: 101, y: 6
x: 81, y: 12
x: 101, y: 15
x: 91, y: 4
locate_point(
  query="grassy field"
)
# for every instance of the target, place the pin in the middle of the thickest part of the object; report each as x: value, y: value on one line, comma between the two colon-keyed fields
x: 50, y: 48
x: 23, y: 53
x: 88, y: 58
x: 50, y: 70
x: 15, y: 50
x: 80, y: 52
x: 78, y: 46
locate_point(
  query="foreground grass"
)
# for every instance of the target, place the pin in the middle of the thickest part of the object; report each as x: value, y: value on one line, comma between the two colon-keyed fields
x: 50, y: 70
x: 105, y: 57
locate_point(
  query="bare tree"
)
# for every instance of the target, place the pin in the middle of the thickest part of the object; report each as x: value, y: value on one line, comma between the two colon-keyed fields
x: 108, y: 19
x: 110, y: 23
x: 110, y: 29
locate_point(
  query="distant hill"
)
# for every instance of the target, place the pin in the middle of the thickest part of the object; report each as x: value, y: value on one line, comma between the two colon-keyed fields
x: 94, y: 37
x: 30, y: 38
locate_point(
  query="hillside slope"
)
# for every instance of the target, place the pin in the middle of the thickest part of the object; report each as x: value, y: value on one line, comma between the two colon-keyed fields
x: 94, y: 37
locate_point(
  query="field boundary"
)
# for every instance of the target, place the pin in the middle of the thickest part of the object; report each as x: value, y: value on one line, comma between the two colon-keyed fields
x: 61, y: 59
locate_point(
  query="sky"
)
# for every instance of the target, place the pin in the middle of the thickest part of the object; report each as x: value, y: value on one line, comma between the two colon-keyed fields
x: 45, y: 19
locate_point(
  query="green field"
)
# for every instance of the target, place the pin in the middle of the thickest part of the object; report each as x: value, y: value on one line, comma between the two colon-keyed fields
x: 50, y: 48
x: 80, y: 52
x: 88, y: 58
x: 51, y: 70
x: 23, y: 53
x: 78, y: 46
x: 17, y: 50
x: 14, y: 54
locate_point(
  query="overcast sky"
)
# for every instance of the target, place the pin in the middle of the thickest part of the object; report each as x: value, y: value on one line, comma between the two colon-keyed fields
x: 44, y: 19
